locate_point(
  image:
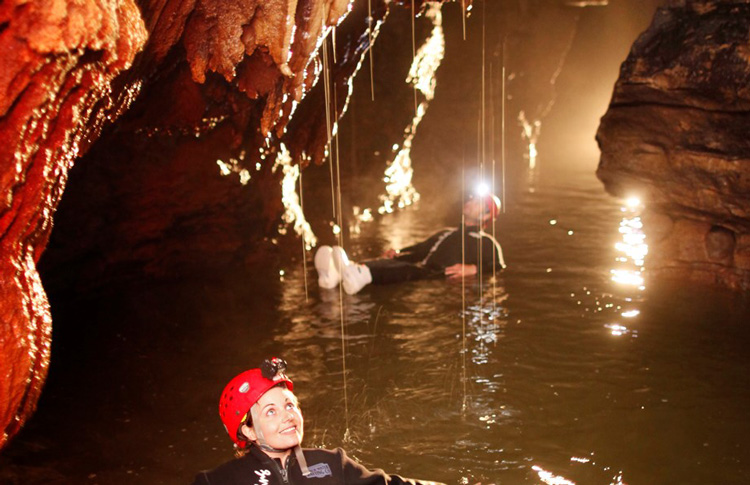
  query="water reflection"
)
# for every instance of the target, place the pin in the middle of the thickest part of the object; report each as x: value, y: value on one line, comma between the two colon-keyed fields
x: 486, y: 320
x: 632, y: 247
x: 632, y: 250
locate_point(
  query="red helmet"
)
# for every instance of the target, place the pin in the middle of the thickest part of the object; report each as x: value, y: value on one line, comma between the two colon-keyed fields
x: 492, y: 204
x: 245, y: 389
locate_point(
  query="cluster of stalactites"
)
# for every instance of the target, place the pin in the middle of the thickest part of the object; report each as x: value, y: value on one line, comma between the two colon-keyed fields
x: 267, y: 48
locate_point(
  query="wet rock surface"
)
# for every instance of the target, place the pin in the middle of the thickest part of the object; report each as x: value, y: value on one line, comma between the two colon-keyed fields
x: 59, y: 65
x: 675, y: 134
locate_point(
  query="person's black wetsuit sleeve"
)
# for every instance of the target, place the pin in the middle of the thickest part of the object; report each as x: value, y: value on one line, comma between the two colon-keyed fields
x: 417, y: 252
x: 356, y: 474
x: 491, y: 255
x: 201, y: 479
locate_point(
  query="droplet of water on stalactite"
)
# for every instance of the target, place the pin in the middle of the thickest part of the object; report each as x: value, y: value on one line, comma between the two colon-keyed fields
x: 293, y: 213
x: 360, y: 216
x: 293, y: 210
x: 398, y: 176
x: 234, y: 165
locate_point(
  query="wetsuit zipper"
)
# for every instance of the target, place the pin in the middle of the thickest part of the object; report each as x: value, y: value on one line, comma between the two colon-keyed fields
x: 283, y: 471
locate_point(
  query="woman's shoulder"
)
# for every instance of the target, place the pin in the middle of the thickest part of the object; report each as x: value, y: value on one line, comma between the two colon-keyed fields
x: 324, y: 453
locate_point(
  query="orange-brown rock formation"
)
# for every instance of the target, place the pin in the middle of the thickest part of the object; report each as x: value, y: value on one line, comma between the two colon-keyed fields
x: 59, y: 61
x: 676, y: 134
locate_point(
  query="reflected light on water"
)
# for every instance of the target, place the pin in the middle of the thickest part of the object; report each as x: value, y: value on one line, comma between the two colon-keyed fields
x: 627, y: 277
x: 618, y: 330
x: 633, y: 247
x: 549, y: 478
x: 629, y: 271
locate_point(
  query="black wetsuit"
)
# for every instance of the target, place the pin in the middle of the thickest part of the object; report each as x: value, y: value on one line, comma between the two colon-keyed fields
x: 327, y: 467
x: 429, y: 258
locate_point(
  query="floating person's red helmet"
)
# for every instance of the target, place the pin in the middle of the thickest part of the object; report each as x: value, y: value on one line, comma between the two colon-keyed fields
x: 493, y: 204
x: 244, y: 390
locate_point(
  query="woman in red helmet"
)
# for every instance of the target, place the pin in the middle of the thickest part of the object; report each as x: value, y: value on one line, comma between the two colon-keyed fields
x: 261, y: 415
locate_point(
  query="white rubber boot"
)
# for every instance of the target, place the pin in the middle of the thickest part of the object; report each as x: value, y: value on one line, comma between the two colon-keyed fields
x: 355, y: 277
x: 340, y: 259
x: 328, y: 274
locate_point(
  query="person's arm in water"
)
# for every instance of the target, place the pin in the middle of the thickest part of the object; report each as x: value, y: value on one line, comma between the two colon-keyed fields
x: 390, y: 253
x: 492, y: 258
x: 460, y: 270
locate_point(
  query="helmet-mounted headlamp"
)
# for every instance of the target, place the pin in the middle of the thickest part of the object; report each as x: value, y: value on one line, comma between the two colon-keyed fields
x: 273, y: 369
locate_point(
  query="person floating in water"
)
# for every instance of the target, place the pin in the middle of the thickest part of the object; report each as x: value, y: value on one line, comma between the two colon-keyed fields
x: 453, y: 253
x: 262, y: 416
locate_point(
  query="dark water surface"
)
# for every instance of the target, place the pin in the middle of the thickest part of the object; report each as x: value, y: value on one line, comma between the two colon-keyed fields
x: 555, y: 372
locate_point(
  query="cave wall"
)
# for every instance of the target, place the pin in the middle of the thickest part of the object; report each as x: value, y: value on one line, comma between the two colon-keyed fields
x: 58, y: 68
x: 675, y: 134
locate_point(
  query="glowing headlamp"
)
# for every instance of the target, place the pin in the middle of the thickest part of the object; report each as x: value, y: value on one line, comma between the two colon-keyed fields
x: 482, y: 189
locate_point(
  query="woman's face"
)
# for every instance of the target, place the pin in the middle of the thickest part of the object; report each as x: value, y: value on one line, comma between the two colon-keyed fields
x: 278, y: 419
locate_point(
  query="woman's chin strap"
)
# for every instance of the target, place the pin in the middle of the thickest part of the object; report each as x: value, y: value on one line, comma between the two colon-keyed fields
x: 301, y: 460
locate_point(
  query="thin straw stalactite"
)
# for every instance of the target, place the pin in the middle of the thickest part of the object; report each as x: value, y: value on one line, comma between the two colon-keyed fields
x: 463, y: 17
x: 304, y: 248
x: 336, y: 191
x: 413, y: 49
x: 463, y: 286
x: 492, y: 157
x: 369, y: 49
x: 327, y: 94
x: 483, y: 151
x: 502, y: 129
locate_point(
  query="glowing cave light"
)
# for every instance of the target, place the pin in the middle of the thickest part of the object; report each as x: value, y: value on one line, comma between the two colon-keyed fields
x: 530, y: 133
x: 633, y: 202
x: 631, y: 313
x: 398, y: 175
x: 293, y: 211
x: 483, y: 189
